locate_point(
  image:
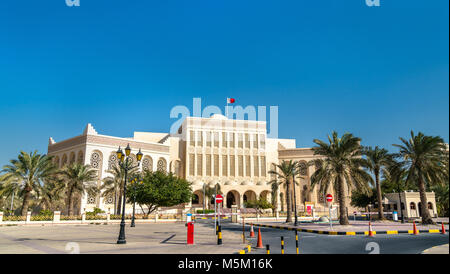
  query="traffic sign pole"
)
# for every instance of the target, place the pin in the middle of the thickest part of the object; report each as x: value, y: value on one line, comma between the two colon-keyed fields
x: 329, y: 200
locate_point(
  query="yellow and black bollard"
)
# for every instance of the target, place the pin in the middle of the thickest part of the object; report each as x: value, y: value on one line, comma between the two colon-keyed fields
x: 296, y: 240
x: 282, y: 245
x: 268, y: 249
x: 219, y: 235
x: 217, y: 228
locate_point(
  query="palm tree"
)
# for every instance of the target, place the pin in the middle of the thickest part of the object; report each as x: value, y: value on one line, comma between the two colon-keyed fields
x: 113, y: 185
x: 50, y: 196
x: 287, y: 171
x: 425, y: 158
x: 208, y: 192
x: 274, y: 197
x: 341, y: 165
x: 26, y: 174
x: 378, y: 159
x: 79, y: 178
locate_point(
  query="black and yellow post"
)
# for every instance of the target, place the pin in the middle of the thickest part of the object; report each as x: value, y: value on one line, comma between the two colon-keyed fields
x: 217, y: 228
x: 268, y: 249
x: 296, y: 240
x: 282, y: 245
x: 219, y: 235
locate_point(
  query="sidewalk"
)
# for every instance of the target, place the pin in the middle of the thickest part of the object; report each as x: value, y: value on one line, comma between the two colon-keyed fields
x: 356, y: 227
x: 156, y: 238
x: 441, y: 249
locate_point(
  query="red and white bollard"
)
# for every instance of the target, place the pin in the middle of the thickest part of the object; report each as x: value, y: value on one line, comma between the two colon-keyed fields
x: 190, y: 233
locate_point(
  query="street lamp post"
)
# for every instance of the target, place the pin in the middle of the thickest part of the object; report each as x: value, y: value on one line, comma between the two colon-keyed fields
x: 123, y: 163
x: 134, y: 182
x: 295, y: 200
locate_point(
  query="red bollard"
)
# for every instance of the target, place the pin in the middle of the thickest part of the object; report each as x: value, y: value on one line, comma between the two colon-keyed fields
x: 190, y: 233
x: 443, y: 228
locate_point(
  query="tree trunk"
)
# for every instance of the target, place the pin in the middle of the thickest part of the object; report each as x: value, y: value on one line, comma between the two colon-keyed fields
x: 288, y: 202
x: 26, y: 201
x: 70, y: 202
x: 343, y: 220
x: 379, y: 198
x: 426, y: 217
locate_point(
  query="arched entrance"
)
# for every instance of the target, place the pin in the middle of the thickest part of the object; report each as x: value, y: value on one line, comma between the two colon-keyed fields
x: 232, y: 198
x: 264, y: 195
x: 249, y: 195
x: 197, y: 198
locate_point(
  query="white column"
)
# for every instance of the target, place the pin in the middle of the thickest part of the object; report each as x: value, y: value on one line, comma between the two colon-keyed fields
x: 1, y: 216
x: 56, y: 216
x: 28, y: 217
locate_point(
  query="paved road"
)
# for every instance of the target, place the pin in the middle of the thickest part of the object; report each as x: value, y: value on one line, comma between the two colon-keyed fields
x: 311, y: 243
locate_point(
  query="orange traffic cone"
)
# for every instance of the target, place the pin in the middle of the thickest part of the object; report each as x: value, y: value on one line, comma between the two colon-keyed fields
x: 370, y: 230
x: 252, y: 232
x: 415, y: 231
x: 259, y: 244
x: 443, y: 229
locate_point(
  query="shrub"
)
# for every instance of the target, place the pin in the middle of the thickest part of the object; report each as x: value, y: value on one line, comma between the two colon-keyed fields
x: 201, y: 211
x: 14, y: 218
x: 46, y: 212
x: 95, y: 212
x: 70, y: 218
x: 42, y: 218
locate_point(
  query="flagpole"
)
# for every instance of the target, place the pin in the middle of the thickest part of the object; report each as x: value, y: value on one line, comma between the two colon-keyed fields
x: 226, y: 109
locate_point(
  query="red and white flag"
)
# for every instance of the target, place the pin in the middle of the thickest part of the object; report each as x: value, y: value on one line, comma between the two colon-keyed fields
x: 230, y: 100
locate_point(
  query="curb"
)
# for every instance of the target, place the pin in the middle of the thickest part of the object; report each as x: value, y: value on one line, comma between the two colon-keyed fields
x: 351, y: 233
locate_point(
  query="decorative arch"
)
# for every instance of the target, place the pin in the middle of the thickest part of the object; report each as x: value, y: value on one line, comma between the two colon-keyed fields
x: 249, y: 195
x: 147, y: 163
x: 96, y: 161
x: 80, y: 157
x: 175, y: 167
x: 56, y: 161
x: 72, y: 158
x: 162, y: 165
x: 112, y: 161
x: 199, y: 194
x: 64, y: 160
x: 232, y: 198
x: 264, y: 195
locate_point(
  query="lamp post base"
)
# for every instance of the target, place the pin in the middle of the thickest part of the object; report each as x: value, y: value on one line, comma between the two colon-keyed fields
x: 121, y: 239
x: 132, y: 223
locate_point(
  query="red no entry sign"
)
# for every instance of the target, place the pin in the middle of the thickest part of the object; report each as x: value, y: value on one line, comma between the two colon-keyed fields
x: 329, y: 197
x: 219, y: 198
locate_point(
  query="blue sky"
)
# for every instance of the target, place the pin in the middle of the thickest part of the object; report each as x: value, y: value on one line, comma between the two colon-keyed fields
x: 121, y: 65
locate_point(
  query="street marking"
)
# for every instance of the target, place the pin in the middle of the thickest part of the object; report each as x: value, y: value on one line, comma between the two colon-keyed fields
x: 332, y: 233
x: 350, y: 233
x: 434, y: 231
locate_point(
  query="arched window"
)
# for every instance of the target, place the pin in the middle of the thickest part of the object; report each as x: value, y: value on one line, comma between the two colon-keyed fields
x: 96, y: 161
x: 147, y: 163
x: 72, y: 158
x: 162, y: 165
x: 430, y: 205
x: 412, y: 206
x: 112, y: 161
x: 64, y: 160
x: 80, y: 157
x: 195, y: 199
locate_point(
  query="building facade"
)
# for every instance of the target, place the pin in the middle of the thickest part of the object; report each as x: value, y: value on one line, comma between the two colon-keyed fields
x: 236, y: 154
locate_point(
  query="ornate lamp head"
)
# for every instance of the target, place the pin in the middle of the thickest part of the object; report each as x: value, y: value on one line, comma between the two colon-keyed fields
x: 128, y: 150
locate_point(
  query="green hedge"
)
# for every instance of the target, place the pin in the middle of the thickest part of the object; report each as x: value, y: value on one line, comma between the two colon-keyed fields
x: 70, y: 218
x: 14, y: 218
x: 201, y: 211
